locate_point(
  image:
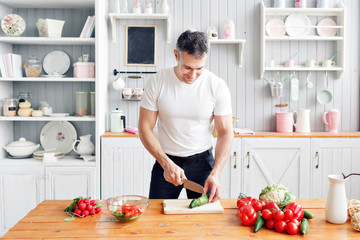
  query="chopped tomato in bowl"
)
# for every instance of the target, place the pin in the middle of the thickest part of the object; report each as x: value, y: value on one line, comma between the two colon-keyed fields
x: 127, y: 207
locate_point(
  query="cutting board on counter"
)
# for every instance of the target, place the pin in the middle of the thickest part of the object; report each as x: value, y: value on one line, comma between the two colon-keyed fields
x: 181, y: 206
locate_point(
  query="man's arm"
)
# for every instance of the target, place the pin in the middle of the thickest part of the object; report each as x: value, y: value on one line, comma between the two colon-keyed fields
x: 147, y: 121
x: 224, y: 127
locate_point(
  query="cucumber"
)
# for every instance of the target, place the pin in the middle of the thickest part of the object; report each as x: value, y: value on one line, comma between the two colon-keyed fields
x: 308, y: 214
x: 259, y: 222
x: 199, y: 201
x: 304, y: 227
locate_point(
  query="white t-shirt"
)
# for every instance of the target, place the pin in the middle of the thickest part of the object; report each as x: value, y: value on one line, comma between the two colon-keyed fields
x: 186, y: 111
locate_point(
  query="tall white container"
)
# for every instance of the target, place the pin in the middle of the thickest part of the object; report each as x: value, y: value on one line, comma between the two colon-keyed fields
x: 336, y: 204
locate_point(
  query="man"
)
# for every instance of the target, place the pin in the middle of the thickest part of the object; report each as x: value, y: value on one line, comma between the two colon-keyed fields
x: 186, y: 99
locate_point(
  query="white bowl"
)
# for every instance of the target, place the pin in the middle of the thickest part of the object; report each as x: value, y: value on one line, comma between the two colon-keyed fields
x: 21, y: 148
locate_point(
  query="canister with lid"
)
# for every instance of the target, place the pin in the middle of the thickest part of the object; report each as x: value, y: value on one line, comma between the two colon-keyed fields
x: 24, y: 97
x: 117, y: 120
x: 10, y: 107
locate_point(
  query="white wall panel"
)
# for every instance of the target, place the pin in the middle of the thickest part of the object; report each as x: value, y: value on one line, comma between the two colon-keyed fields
x: 251, y: 98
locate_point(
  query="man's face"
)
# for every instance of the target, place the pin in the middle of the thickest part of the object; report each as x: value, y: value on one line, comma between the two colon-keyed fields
x: 189, y: 67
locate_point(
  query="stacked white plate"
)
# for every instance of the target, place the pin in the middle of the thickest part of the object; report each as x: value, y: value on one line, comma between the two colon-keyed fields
x: 40, y: 154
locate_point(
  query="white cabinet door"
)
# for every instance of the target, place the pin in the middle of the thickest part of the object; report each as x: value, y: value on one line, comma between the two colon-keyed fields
x: 21, y: 190
x: 230, y: 176
x: 334, y: 156
x: 125, y: 167
x: 282, y: 161
x: 64, y: 183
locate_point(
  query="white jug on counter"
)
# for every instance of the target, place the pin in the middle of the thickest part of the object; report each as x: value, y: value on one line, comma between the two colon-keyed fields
x: 303, y: 120
x: 85, y: 146
x: 336, y: 204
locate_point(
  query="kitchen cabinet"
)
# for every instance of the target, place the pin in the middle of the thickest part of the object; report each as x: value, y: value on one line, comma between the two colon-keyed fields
x: 282, y: 161
x: 126, y: 167
x: 26, y: 183
x: 334, y: 156
x: 270, y: 45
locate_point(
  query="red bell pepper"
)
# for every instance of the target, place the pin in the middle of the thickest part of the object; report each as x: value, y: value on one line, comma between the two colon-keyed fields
x: 296, y: 209
x: 247, y: 215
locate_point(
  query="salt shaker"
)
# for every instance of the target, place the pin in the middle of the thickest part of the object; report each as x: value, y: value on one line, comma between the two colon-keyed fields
x: 137, y: 7
x: 148, y: 7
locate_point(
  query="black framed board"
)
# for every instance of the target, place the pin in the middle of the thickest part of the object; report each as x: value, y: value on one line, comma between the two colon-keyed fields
x: 141, y: 45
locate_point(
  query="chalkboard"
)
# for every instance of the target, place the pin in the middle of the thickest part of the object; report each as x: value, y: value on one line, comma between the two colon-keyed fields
x: 141, y: 45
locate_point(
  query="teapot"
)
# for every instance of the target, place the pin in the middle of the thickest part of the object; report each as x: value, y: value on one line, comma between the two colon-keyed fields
x: 85, y: 146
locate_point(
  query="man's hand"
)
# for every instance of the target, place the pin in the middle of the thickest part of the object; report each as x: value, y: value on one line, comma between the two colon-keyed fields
x: 213, y: 183
x: 173, y: 173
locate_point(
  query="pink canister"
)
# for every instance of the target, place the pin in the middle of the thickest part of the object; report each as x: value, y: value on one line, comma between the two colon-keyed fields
x: 284, y: 122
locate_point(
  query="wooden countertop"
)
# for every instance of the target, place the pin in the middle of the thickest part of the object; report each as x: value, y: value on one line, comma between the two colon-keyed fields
x: 46, y: 221
x: 266, y: 134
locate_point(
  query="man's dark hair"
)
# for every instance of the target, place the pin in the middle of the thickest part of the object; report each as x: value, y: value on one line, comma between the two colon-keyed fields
x: 193, y: 42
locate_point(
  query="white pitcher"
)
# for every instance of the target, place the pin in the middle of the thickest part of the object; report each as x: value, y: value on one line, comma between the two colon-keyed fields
x: 303, y: 121
x: 336, y: 204
x: 85, y: 146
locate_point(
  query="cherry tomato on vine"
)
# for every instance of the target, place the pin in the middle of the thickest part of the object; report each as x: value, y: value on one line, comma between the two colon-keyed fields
x: 288, y: 215
x: 278, y: 215
x: 292, y: 228
x: 280, y: 226
x: 267, y: 214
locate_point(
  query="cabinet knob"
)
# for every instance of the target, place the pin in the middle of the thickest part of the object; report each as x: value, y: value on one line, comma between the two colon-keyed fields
x: 248, y: 158
x: 235, y: 159
x: 317, y: 159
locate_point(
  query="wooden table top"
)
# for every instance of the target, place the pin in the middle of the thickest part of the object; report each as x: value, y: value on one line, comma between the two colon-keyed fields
x: 46, y: 221
x: 266, y: 134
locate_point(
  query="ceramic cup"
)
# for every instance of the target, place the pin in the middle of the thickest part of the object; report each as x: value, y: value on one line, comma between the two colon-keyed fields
x: 289, y: 63
x: 328, y: 63
x: 284, y: 122
x: 270, y: 63
x: 332, y: 120
x: 128, y: 92
x: 138, y: 92
x: 311, y: 63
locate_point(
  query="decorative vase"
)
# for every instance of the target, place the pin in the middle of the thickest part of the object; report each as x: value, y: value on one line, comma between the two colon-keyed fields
x: 164, y: 8
x: 336, y: 204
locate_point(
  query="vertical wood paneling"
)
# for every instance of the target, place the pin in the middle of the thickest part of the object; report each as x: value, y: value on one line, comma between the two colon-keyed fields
x: 251, y: 98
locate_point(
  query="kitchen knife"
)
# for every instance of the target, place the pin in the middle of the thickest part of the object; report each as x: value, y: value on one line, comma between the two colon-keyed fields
x: 192, y: 186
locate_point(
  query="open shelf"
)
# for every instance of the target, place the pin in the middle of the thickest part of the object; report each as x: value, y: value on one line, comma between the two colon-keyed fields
x: 45, y: 79
x: 48, y: 3
x: 48, y: 41
x: 45, y: 118
x: 115, y: 16
x: 241, y: 43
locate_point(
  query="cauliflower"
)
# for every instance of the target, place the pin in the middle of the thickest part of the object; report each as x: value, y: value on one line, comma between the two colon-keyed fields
x: 278, y: 194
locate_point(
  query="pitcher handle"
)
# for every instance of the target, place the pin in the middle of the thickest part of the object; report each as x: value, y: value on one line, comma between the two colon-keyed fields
x: 73, y: 146
x: 324, y: 118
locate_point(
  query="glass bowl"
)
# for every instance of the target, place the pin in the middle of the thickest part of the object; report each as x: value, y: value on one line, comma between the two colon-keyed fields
x: 127, y: 207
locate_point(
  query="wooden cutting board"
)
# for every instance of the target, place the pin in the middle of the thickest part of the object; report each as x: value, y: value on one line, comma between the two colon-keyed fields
x: 181, y: 206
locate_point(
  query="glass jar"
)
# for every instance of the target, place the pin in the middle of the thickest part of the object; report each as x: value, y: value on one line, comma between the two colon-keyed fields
x: 24, y: 97
x: 32, y: 67
x: 81, y: 103
x: 10, y: 107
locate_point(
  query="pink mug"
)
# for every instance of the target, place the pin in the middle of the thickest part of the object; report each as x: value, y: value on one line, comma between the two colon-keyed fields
x: 332, y: 120
x: 284, y: 122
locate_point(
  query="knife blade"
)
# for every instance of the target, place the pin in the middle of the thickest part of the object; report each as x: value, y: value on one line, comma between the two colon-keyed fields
x: 193, y: 186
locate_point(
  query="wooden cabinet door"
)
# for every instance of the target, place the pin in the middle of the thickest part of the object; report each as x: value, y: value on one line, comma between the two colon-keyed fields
x: 125, y: 167
x: 334, y: 156
x: 21, y: 190
x: 282, y: 161
x: 64, y: 183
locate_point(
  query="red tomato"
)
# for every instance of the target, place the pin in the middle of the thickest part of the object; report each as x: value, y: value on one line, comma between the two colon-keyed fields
x: 240, y: 203
x: 85, y: 213
x: 257, y: 206
x: 278, y: 215
x: 288, y: 215
x: 266, y: 214
x: 270, y: 224
x: 87, y: 201
x: 130, y: 213
x: 126, y: 207
x: 280, y: 226
x: 292, y: 228
x: 262, y: 203
x: 295, y: 221
x: 93, y: 203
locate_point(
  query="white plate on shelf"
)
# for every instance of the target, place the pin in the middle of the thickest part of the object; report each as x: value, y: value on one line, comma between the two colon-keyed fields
x: 57, y: 61
x: 23, y: 157
x: 275, y: 31
x: 54, y: 76
x: 41, y: 153
x: 58, y: 136
x: 13, y: 25
x: 326, y: 32
x: 58, y: 115
x: 297, y: 25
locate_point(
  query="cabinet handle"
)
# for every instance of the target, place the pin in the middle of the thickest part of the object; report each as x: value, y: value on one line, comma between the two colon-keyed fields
x: 317, y: 158
x: 235, y: 159
x: 248, y: 157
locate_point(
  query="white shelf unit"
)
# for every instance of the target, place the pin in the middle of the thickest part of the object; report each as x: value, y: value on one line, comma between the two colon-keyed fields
x: 48, y: 41
x: 240, y: 42
x: 47, y: 119
x: 267, y: 13
x: 46, y: 79
x: 115, y: 16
